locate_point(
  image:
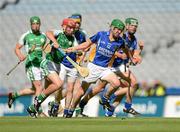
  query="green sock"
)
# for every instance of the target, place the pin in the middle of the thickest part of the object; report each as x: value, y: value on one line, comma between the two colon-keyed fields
x: 32, y: 108
x: 15, y: 95
x: 41, y: 97
x: 40, y: 110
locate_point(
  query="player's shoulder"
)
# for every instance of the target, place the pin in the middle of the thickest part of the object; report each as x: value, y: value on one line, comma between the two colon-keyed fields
x: 82, y: 31
x: 43, y: 34
x: 103, y: 33
x: 25, y: 34
x: 57, y: 32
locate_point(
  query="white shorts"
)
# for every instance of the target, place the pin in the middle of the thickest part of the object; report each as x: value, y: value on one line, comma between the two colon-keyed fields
x: 96, y: 72
x: 119, y: 69
x: 53, y: 67
x: 34, y: 73
x: 69, y: 74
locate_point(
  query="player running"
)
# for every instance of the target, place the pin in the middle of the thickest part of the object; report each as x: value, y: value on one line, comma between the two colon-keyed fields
x: 108, y: 42
x: 54, y: 106
x: 51, y: 65
x: 121, y: 67
x: 33, y: 41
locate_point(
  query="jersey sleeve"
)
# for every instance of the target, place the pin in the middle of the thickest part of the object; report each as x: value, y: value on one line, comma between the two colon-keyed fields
x: 56, y: 32
x: 45, y: 38
x: 75, y: 42
x: 95, y: 37
x: 85, y: 34
x: 22, y: 39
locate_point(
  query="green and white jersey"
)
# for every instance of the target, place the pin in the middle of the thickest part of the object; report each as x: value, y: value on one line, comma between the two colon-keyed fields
x: 64, y: 42
x: 29, y: 39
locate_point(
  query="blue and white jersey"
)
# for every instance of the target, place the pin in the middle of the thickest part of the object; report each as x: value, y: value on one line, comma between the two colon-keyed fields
x: 132, y: 45
x: 105, y: 48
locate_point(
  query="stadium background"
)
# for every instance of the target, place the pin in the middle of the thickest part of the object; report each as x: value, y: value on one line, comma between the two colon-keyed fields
x: 158, y: 28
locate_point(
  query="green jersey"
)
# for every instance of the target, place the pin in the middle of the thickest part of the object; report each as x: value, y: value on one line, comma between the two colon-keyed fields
x: 29, y: 39
x: 64, y: 42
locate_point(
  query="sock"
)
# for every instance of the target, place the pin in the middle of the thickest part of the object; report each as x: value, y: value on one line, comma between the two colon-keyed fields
x: 51, y: 103
x: 104, y: 99
x: 128, y: 105
x: 56, y: 106
x: 15, y: 95
x: 71, y: 112
x: 82, y: 104
x: 66, y: 111
x: 31, y: 107
x: 41, y: 97
x: 112, y: 97
x: 112, y: 108
x: 40, y: 110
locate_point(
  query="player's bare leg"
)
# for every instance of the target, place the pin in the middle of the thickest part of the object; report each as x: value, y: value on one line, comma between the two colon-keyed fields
x: 76, y: 97
x: 55, y: 107
x: 55, y: 84
x: 14, y: 95
x: 129, y: 94
x: 38, y: 87
x: 68, y: 98
x: 115, y: 83
x: 98, y: 88
x: 110, y: 112
x: 35, y: 90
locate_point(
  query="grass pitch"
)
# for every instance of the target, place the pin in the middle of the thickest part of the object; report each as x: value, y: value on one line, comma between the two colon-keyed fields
x: 28, y: 124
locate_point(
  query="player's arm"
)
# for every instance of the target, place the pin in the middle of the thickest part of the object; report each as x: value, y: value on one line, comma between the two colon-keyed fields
x: 137, y: 57
x: 18, y: 52
x: 89, y: 57
x: 128, y: 53
x: 18, y: 47
x: 50, y: 36
x: 141, y: 47
x: 137, y: 52
x: 82, y: 46
x: 121, y: 55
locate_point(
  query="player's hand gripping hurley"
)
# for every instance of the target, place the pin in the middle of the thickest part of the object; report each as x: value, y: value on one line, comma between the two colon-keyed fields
x: 14, y: 67
x: 83, y: 71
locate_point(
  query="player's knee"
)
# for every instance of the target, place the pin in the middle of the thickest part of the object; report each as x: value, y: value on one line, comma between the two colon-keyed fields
x: 70, y: 90
x: 37, y: 84
x: 116, y: 83
x: 58, y: 84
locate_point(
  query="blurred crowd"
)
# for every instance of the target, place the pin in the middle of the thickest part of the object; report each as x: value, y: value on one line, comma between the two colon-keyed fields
x: 156, y: 88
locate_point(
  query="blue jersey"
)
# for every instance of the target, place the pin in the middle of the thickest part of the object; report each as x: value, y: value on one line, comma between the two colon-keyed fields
x: 132, y: 45
x: 105, y: 48
x: 80, y: 36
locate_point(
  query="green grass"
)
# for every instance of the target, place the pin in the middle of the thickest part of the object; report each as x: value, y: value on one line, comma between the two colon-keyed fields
x: 27, y: 124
